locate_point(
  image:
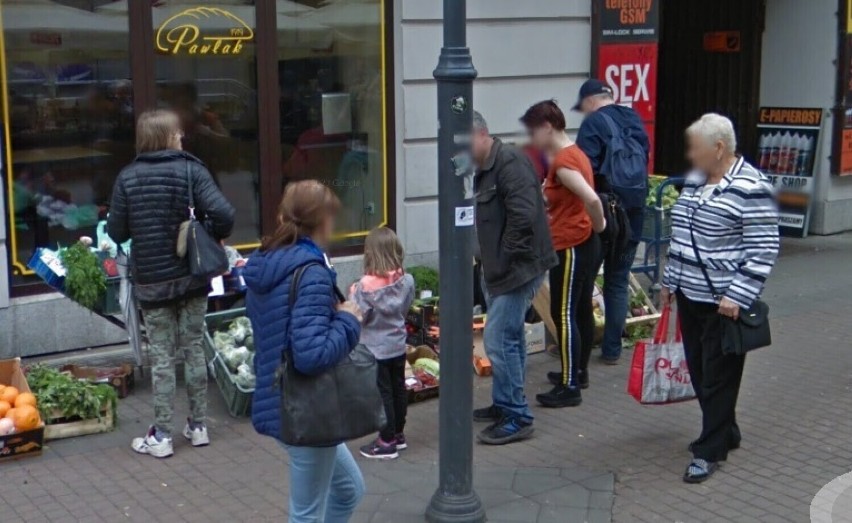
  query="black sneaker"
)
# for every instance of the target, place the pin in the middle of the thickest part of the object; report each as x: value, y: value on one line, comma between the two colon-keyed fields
x: 378, y: 449
x: 555, y: 378
x: 506, y: 431
x: 560, y: 397
x: 491, y: 413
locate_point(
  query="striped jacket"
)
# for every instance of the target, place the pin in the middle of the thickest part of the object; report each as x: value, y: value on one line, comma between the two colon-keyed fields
x: 736, y: 233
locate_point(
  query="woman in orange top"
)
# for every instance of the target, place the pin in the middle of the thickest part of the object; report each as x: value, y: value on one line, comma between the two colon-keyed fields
x: 576, y: 214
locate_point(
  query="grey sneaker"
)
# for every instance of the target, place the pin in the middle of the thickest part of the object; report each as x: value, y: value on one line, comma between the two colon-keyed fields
x: 159, y: 448
x: 196, y: 434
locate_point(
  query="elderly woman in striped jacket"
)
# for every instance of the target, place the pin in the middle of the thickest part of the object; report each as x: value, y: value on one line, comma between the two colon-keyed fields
x: 726, y: 222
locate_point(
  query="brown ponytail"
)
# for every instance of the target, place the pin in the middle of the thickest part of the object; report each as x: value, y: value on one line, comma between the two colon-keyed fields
x: 304, y: 207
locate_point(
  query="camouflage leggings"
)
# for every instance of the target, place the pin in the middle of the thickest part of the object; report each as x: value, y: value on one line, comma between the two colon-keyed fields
x: 178, y: 326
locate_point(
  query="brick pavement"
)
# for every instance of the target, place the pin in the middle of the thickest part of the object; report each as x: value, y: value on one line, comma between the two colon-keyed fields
x: 794, y: 413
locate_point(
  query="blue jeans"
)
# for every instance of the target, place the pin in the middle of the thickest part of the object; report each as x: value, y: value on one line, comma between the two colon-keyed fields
x: 616, y: 300
x: 505, y: 346
x: 325, y: 484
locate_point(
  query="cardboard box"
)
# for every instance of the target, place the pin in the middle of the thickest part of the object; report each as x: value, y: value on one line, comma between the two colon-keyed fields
x: 20, y: 444
x: 533, y: 333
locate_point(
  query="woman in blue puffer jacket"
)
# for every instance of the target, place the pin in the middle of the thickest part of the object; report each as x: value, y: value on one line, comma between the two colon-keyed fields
x: 325, y: 482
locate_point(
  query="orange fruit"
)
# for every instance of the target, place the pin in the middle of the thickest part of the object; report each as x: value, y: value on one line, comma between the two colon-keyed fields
x: 10, y: 413
x: 25, y: 398
x: 26, y: 418
x: 4, y: 407
x: 9, y: 395
x: 2, y: 387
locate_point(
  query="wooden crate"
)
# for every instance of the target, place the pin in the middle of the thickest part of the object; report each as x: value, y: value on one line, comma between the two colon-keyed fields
x: 634, y: 288
x: 84, y: 427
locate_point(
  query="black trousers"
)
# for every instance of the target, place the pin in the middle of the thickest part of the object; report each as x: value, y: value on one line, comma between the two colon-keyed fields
x: 715, y: 377
x: 572, y: 284
x: 392, y: 388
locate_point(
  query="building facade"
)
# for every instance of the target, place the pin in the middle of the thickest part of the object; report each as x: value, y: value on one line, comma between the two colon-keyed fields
x: 338, y: 90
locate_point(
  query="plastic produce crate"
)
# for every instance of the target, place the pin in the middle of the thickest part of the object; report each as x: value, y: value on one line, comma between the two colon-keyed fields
x: 110, y: 303
x: 237, y: 399
x: 649, y: 225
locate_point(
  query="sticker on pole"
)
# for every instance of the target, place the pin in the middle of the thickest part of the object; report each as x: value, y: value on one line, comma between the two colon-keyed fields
x: 464, y: 216
x: 458, y: 104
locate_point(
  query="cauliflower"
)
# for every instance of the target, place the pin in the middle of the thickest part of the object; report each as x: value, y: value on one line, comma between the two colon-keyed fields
x: 245, y: 377
x: 223, y: 340
x: 240, y: 329
x: 235, y: 356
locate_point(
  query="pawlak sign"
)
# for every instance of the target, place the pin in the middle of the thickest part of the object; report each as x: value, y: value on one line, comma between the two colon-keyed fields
x: 627, y: 33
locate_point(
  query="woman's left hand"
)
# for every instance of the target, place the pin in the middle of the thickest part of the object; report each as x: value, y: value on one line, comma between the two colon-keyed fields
x: 729, y: 309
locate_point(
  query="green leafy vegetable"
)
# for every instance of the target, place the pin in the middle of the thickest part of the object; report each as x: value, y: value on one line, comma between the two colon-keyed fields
x: 425, y: 278
x: 670, y: 194
x: 85, y: 282
x: 71, y: 397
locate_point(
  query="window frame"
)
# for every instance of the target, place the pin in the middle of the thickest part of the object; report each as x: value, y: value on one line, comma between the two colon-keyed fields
x: 142, y: 56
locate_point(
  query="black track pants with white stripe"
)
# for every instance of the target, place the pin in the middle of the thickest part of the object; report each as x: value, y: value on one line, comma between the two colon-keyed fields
x: 572, y: 284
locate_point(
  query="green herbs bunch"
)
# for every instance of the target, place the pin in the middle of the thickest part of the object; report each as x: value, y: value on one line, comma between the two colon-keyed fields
x: 85, y: 282
x: 425, y: 278
x: 72, y: 397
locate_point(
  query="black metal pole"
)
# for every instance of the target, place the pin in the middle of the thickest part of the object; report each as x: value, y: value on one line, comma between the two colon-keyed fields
x: 455, y: 501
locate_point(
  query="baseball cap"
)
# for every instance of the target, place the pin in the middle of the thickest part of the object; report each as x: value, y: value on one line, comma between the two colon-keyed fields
x: 591, y: 87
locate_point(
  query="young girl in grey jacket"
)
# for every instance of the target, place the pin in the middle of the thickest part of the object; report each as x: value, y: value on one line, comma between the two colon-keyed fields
x: 385, y: 294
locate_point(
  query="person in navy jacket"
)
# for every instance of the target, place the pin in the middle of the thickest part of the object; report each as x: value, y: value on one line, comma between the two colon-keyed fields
x: 319, y: 331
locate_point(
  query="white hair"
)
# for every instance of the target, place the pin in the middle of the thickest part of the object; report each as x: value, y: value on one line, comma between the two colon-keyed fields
x: 715, y: 128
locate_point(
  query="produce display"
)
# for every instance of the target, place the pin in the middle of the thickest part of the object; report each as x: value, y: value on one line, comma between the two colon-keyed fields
x: 62, y: 397
x: 670, y: 193
x: 235, y: 346
x: 18, y: 411
x: 425, y: 279
x: 423, y: 371
x: 85, y: 278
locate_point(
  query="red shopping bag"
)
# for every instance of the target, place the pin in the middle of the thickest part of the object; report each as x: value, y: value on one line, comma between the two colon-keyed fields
x: 659, y: 374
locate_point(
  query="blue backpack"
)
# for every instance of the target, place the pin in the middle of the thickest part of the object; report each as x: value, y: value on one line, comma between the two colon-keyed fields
x: 626, y: 166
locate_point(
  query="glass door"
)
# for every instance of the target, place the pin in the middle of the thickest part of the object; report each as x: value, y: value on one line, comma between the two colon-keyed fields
x: 205, y: 68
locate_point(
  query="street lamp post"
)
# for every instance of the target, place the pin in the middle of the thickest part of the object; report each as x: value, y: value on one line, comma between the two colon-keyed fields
x: 455, y: 501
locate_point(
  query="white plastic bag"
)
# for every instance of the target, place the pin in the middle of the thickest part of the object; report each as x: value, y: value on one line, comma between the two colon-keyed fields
x: 659, y: 374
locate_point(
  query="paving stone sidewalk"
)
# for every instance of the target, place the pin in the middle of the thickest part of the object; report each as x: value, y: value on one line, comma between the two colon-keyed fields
x: 794, y: 411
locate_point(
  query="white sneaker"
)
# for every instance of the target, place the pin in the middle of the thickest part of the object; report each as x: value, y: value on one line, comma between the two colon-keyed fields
x: 159, y: 448
x: 198, y: 436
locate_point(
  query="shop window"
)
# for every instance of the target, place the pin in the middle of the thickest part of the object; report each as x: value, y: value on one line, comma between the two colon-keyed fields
x: 332, y: 106
x: 68, y: 119
x: 206, y: 70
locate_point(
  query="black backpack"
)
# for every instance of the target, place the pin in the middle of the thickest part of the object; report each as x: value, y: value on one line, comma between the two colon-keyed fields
x: 625, y: 166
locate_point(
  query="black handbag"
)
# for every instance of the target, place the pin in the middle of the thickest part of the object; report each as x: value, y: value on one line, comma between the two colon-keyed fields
x: 617, y: 233
x: 341, y: 404
x: 750, y: 331
x: 207, y: 257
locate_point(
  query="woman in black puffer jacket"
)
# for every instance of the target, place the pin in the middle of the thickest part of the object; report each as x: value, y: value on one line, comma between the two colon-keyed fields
x: 149, y: 202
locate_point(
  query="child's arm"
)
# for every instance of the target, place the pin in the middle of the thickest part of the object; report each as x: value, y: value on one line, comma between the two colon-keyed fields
x: 409, y: 292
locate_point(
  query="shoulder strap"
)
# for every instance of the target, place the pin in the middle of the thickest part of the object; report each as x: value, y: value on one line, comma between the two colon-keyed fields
x: 297, y: 280
x: 701, y: 262
x: 611, y: 124
x: 190, y: 189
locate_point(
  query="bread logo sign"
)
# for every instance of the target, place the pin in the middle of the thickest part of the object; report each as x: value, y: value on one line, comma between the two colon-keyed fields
x: 183, y: 33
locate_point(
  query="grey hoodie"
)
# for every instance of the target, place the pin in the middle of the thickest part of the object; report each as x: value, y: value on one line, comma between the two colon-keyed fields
x: 384, y: 308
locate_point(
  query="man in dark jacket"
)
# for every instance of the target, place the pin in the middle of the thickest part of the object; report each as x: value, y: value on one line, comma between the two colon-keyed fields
x: 150, y: 200
x: 516, y: 252
x: 596, y: 102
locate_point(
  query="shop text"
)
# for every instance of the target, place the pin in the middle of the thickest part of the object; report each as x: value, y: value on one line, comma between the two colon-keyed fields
x: 184, y: 33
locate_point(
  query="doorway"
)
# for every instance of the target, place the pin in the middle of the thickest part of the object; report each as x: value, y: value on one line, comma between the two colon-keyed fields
x: 709, y: 61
